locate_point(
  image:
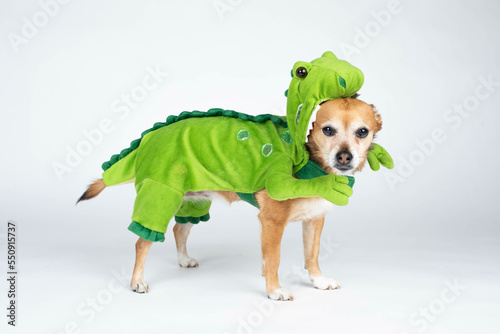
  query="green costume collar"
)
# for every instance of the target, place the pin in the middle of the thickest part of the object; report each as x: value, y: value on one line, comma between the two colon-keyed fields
x: 312, y: 170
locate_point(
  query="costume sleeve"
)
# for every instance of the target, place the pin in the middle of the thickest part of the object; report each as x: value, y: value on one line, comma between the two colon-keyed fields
x: 379, y: 156
x: 282, y: 185
x: 193, y: 211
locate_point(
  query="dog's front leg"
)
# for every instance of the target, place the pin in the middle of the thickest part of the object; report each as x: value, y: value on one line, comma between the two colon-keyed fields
x: 271, y: 233
x: 141, y: 252
x: 311, y: 233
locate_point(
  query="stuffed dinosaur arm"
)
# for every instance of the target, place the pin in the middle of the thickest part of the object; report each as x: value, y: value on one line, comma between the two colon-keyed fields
x: 281, y: 185
x: 379, y: 156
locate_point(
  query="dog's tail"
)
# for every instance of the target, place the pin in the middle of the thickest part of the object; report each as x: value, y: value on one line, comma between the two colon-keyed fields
x: 93, y: 190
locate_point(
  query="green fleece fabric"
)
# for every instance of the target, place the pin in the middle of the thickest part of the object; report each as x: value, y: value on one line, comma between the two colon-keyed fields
x: 191, y: 155
x: 146, y: 233
x: 378, y: 156
x: 225, y: 150
x: 193, y: 209
x: 310, y: 171
x: 192, y: 220
x: 327, y: 78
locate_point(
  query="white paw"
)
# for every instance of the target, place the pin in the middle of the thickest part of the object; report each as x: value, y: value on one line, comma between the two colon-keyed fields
x: 324, y: 283
x: 186, y: 261
x: 140, y: 287
x: 281, y: 294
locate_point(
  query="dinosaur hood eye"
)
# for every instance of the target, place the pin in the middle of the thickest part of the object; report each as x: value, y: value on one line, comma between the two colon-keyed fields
x: 301, y: 72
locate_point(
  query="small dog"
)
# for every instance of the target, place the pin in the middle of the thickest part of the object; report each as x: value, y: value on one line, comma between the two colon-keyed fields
x: 339, y: 142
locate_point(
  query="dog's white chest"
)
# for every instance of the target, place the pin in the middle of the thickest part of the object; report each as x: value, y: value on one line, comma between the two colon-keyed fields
x: 311, y: 208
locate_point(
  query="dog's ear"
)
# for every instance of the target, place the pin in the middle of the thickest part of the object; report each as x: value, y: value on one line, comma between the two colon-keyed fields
x: 378, y: 119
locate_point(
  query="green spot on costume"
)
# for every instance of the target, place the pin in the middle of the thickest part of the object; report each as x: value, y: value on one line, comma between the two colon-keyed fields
x: 226, y: 150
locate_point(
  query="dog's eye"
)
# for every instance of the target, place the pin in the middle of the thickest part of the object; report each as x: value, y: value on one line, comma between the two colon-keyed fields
x: 362, y: 133
x: 329, y: 131
x: 301, y: 72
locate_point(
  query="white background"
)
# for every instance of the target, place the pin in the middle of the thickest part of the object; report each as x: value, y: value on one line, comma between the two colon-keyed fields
x: 393, y: 248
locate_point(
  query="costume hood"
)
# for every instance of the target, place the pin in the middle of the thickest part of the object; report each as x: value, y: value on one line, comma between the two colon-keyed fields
x: 325, y: 78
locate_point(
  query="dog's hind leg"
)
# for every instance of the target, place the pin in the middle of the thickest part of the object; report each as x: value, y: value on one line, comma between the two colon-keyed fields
x: 141, y: 252
x: 181, y: 233
x: 155, y: 205
x: 311, y: 232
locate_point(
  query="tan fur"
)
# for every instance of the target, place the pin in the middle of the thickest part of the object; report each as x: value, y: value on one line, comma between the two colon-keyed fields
x: 311, y: 234
x: 275, y: 215
x: 346, y: 114
x: 229, y: 196
x: 141, y: 252
x: 93, y: 190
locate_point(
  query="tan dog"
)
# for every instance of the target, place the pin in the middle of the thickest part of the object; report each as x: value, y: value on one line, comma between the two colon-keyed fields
x: 339, y: 142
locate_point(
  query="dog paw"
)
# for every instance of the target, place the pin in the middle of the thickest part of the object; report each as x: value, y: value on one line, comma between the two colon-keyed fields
x: 186, y: 261
x: 324, y: 283
x: 140, y: 287
x: 281, y: 294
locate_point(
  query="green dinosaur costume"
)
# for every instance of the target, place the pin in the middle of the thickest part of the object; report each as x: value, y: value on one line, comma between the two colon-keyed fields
x: 226, y: 150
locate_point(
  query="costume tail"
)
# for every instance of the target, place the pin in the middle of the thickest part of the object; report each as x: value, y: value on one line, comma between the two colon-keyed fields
x: 93, y: 190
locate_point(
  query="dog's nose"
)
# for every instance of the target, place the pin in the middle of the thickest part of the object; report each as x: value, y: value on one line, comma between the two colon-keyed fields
x: 344, y: 157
